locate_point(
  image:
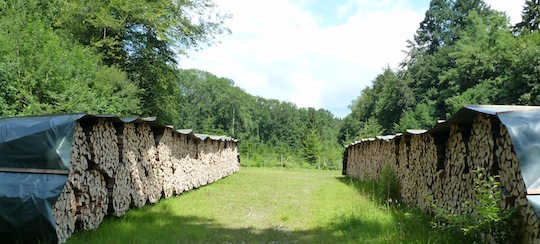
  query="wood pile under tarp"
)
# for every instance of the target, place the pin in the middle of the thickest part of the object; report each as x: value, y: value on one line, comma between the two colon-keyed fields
x: 113, y: 164
x: 439, y: 166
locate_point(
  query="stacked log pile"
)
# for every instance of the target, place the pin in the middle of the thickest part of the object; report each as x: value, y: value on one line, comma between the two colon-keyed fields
x: 372, y: 154
x: 456, y: 171
x: 65, y: 208
x: 444, y: 173
x: 150, y: 163
x: 417, y: 163
x: 116, y: 165
x: 130, y: 157
x: 165, y: 151
x: 512, y: 181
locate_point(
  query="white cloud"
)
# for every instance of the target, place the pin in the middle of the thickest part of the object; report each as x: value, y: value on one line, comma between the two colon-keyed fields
x: 512, y: 8
x: 278, y: 49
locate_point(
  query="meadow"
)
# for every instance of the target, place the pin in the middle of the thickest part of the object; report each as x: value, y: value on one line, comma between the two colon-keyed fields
x: 271, y: 205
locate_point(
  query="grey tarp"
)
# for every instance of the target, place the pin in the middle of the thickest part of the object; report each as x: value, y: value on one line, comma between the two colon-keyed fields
x: 524, y: 129
x: 34, y: 166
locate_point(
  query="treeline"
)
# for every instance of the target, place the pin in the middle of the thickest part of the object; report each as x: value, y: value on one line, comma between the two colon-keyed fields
x: 271, y: 132
x: 120, y: 57
x: 463, y: 53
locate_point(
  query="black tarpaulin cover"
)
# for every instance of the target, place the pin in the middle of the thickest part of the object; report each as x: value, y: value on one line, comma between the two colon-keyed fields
x: 34, y: 166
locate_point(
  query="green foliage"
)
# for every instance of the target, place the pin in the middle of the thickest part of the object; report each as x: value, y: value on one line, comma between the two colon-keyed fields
x: 387, y: 190
x: 371, y: 128
x: 143, y: 38
x: 312, y: 147
x: 116, y: 57
x: 419, y: 118
x: 271, y: 132
x: 42, y: 71
x: 487, y: 223
x: 463, y: 53
x: 530, y: 18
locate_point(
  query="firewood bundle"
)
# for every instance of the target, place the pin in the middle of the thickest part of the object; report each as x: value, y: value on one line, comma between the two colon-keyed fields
x: 116, y: 165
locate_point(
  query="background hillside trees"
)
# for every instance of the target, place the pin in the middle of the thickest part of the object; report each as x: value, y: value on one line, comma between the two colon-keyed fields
x: 463, y: 53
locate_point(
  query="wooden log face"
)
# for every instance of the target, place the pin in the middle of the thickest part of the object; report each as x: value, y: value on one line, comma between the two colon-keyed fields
x: 131, y: 155
x: 118, y: 165
x: 64, y: 213
x: 121, y: 196
x: 104, y: 146
x: 484, y: 144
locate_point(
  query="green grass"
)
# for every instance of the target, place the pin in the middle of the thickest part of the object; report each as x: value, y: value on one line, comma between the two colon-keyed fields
x: 269, y: 205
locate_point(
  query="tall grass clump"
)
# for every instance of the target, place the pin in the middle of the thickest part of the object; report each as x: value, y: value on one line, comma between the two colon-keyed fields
x: 387, y: 188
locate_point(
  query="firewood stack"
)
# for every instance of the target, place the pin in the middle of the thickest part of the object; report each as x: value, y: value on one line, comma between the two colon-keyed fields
x: 403, y: 172
x: 190, y: 163
x: 456, y: 170
x: 117, y: 165
x: 94, y: 200
x: 165, y: 168
x: 182, y: 164
x: 370, y: 157
x: 230, y: 153
x: 121, y: 192
x: 179, y: 153
x: 105, y: 149
x: 443, y: 173
x: 150, y: 163
x: 64, y: 211
x: 425, y: 171
x: 352, y: 164
x: 481, y: 144
x: 130, y: 157
x: 512, y: 181
x: 65, y: 208
x: 204, y: 160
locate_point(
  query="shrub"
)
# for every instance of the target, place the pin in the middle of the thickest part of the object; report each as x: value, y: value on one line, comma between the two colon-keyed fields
x: 487, y: 223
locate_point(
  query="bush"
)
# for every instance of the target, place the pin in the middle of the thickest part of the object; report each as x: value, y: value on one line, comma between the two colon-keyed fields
x: 487, y: 223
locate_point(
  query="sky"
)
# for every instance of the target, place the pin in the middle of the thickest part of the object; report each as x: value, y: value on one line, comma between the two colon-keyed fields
x: 315, y: 53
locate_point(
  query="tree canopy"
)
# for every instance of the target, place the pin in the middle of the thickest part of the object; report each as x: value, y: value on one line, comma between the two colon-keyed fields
x: 463, y: 53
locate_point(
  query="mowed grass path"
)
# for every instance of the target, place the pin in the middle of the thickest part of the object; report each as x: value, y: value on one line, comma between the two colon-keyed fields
x: 264, y: 205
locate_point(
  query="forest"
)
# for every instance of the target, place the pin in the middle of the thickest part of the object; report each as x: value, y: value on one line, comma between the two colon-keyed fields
x: 462, y: 53
x: 120, y: 57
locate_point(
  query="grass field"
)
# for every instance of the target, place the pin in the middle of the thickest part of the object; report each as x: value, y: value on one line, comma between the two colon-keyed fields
x: 269, y: 205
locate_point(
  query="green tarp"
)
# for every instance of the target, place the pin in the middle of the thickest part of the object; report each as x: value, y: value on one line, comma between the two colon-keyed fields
x: 34, y: 167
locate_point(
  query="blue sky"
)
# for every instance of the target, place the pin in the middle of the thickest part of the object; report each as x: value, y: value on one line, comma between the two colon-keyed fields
x: 315, y: 53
